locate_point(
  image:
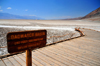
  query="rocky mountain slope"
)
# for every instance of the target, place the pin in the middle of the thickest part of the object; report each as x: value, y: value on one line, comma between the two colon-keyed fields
x: 95, y: 13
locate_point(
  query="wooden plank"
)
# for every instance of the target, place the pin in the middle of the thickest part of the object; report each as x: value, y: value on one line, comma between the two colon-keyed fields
x: 77, y: 61
x: 14, y: 62
x: 56, y: 57
x: 67, y: 59
x: 63, y: 54
x: 41, y: 61
x: 24, y: 58
x: 2, y: 63
x: 49, y: 59
x: 19, y: 60
x: 7, y: 62
x: 74, y: 53
x: 21, y: 57
x: 33, y: 60
x: 44, y: 58
x: 83, y: 52
x: 86, y: 45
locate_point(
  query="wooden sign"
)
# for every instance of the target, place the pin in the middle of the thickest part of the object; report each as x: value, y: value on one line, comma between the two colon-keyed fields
x: 20, y: 41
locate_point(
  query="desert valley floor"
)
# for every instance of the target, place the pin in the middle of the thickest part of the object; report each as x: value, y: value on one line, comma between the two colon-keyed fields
x: 53, y: 27
x: 82, y: 51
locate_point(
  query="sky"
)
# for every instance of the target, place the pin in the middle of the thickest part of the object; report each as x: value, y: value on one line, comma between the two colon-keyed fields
x: 49, y: 9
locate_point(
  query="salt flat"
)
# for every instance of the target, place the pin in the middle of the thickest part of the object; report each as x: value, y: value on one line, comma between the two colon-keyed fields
x: 53, y: 23
x: 54, y: 27
x: 23, y: 25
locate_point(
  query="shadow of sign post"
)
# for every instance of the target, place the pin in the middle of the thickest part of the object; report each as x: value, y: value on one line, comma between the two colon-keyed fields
x: 26, y: 40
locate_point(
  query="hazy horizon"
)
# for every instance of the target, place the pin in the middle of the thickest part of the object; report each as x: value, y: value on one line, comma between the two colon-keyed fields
x: 49, y: 9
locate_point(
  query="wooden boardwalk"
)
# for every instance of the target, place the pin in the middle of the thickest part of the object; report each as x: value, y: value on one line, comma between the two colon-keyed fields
x: 81, y: 51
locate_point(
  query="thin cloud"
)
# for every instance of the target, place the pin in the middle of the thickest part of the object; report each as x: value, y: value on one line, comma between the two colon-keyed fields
x: 1, y: 10
x: 9, y: 8
x: 26, y: 10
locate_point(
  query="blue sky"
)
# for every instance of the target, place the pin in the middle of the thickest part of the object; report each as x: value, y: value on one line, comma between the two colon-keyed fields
x: 49, y: 9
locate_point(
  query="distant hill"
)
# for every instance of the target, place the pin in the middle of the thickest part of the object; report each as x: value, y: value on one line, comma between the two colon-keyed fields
x: 11, y: 16
x: 95, y: 13
x: 74, y: 18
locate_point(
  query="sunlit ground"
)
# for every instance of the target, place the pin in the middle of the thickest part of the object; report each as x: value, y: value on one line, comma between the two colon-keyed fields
x: 53, y: 27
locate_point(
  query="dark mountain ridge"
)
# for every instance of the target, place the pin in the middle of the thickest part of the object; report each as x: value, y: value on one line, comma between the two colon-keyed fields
x: 95, y: 13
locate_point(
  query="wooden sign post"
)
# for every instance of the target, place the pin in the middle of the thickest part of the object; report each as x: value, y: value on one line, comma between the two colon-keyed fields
x: 28, y: 57
x: 26, y: 40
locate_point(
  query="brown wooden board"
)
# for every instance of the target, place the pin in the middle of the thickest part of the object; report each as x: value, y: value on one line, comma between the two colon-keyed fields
x: 21, y: 41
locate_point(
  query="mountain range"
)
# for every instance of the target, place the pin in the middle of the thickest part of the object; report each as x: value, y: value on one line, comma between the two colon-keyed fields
x: 95, y: 13
x: 11, y: 16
